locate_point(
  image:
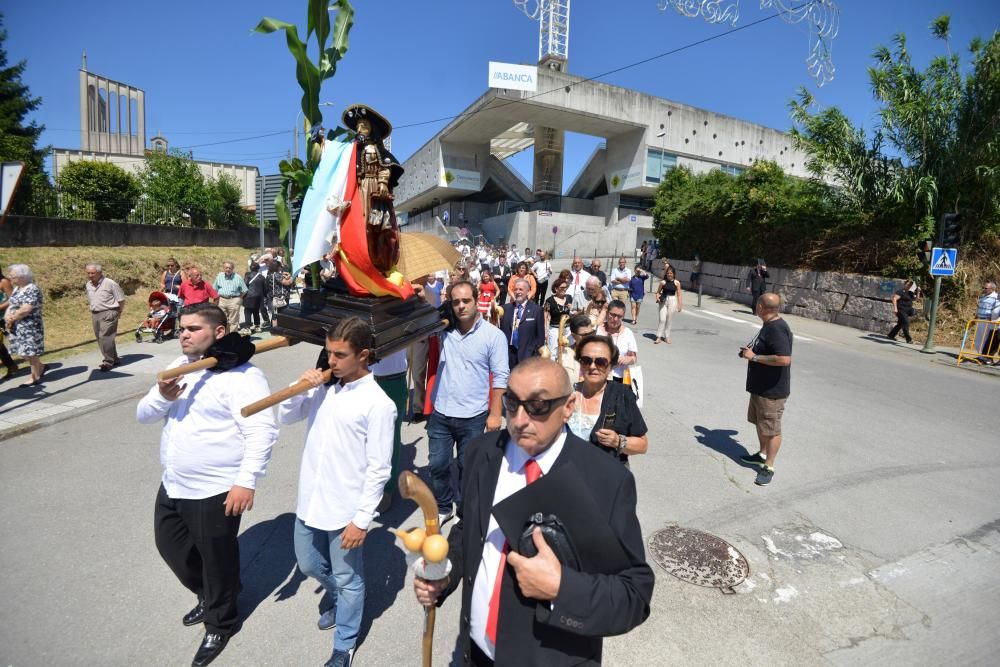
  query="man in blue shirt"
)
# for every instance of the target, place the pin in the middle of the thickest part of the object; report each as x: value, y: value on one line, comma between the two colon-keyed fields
x: 466, y: 400
x: 988, y: 309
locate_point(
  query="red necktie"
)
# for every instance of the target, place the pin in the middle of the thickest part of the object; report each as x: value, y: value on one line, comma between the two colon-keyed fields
x: 532, y: 472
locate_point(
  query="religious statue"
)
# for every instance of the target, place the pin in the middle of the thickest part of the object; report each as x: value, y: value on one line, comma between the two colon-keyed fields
x: 378, y: 172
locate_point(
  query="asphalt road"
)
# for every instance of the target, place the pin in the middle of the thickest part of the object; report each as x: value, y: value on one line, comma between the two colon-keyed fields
x: 877, y: 542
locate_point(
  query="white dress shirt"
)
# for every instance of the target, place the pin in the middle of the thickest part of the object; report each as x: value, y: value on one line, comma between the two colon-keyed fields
x: 348, y: 454
x: 510, y: 481
x: 577, y: 283
x: 617, y: 273
x: 206, y: 446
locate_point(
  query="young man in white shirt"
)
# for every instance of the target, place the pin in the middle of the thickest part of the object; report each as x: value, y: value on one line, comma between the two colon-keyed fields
x: 628, y: 351
x: 345, y: 465
x: 542, y: 270
x: 211, y: 458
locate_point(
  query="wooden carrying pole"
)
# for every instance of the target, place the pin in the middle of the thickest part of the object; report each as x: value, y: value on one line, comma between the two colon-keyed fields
x: 299, y: 387
x: 272, y: 343
x: 413, y: 488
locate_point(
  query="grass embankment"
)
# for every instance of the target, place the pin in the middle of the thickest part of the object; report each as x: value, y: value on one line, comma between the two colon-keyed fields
x: 61, y: 275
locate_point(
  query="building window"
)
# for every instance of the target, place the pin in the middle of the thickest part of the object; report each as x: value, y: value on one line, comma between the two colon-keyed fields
x: 730, y: 169
x: 658, y: 163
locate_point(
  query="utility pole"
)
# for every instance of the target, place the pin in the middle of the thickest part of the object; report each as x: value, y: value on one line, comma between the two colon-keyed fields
x: 949, y: 236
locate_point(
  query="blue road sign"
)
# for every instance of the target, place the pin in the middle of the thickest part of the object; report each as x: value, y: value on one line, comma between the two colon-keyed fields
x: 943, y: 261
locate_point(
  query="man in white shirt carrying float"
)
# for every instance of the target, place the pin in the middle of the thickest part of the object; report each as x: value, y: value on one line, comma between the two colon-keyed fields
x: 211, y: 460
x: 345, y: 465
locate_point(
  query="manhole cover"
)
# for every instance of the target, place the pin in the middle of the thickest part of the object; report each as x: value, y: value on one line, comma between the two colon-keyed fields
x: 699, y: 558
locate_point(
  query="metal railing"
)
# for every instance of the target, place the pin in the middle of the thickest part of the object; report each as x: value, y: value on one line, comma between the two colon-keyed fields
x: 981, y: 343
x: 55, y: 204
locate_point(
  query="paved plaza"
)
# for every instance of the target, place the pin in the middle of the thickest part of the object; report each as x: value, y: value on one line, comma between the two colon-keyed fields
x: 878, y: 542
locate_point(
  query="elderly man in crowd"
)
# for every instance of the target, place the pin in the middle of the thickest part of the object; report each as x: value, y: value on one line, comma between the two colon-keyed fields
x: 231, y: 289
x: 196, y: 290
x: 988, y: 308
x: 107, y: 301
x: 593, y: 290
x: 577, y: 279
x: 620, y: 278
x: 523, y: 325
x: 520, y: 610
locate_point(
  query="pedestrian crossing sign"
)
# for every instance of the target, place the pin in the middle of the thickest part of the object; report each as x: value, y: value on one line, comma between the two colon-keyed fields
x: 943, y: 261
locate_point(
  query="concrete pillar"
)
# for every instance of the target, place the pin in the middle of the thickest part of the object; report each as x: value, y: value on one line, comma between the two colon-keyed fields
x: 548, y: 168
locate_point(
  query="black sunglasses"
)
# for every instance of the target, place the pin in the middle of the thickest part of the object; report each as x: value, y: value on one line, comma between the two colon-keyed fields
x: 535, y: 407
x: 600, y: 362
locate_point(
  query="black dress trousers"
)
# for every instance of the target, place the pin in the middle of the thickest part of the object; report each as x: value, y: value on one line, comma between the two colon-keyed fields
x: 199, y: 543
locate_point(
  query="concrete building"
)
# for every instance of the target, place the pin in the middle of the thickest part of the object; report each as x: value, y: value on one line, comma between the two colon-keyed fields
x: 113, y: 129
x: 606, y: 209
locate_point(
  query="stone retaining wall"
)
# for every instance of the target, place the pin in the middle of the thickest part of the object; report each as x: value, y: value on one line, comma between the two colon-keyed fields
x: 849, y: 299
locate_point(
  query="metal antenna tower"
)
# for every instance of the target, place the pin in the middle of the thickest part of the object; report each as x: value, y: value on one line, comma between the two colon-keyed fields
x: 553, y: 27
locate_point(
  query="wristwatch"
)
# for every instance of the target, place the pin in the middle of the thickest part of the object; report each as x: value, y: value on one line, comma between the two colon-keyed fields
x: 622, y: 441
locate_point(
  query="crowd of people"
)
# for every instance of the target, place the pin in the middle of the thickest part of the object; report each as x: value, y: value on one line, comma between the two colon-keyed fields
x: 523, y: 383
x: 260, y: 293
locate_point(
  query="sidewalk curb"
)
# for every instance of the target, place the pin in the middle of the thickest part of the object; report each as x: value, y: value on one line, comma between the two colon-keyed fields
x: 21, y: 429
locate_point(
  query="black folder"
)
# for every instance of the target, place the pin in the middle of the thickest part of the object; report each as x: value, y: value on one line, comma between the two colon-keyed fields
x: 563, y: 493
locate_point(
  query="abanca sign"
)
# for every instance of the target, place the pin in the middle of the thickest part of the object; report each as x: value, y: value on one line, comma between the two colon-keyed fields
x: 513, y: 77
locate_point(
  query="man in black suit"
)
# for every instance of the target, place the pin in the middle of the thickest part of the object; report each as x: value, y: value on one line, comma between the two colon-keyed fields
x: 541, y: 612
x: 502, y: 275
x: 523, y: 324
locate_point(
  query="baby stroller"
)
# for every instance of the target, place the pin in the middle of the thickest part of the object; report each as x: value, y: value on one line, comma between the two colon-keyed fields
x: 162, y: 318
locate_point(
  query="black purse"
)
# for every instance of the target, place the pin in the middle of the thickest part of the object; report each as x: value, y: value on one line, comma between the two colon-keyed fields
x: 556, y: 536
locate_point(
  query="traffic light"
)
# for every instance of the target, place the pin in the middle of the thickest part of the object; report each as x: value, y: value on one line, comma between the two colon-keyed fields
x: 924, y: 251
x: 951, y: 230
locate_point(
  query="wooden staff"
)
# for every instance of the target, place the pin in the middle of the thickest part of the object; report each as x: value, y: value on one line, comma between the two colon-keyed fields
x: 561, y: 341
x: 293, y: 390
x: 272, y: 343
x: 414, y: 488
x: 299, y: 387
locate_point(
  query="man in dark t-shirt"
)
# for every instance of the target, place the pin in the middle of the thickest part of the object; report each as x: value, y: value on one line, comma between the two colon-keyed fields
x: 769, y: 359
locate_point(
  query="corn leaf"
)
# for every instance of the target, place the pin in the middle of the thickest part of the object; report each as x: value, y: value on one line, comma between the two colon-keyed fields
x: 319, y: 22
x: 284, y: 217
x: 306, y: 72
x: 339, y: 39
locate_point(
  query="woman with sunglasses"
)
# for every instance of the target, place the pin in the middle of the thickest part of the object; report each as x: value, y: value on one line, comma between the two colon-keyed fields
x: 172, y: 277
x: 606, y: 413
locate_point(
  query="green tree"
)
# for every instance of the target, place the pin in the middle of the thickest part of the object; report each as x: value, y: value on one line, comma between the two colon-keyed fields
x: 110, y: 190
x: 763, y: 212
x: 943, y: 126
x: 225, y: 208
x: 173, y: 182
x: 19, y: 139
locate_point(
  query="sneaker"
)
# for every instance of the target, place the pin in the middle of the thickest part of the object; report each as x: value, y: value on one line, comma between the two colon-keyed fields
x: 764, y: 476
x: 328, y: 619
x: 340, y: 659
x: 444, y: 518
x: 753, y: 459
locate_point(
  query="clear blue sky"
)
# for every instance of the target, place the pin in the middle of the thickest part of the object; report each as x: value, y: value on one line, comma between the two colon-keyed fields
x: 208, y: 78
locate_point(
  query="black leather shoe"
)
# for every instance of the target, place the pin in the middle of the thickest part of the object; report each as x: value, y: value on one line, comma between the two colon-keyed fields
x: 196, y: 615
x: 211, y: 647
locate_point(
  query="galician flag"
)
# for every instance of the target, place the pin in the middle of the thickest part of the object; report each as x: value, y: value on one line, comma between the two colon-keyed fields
x: 323, y: 205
